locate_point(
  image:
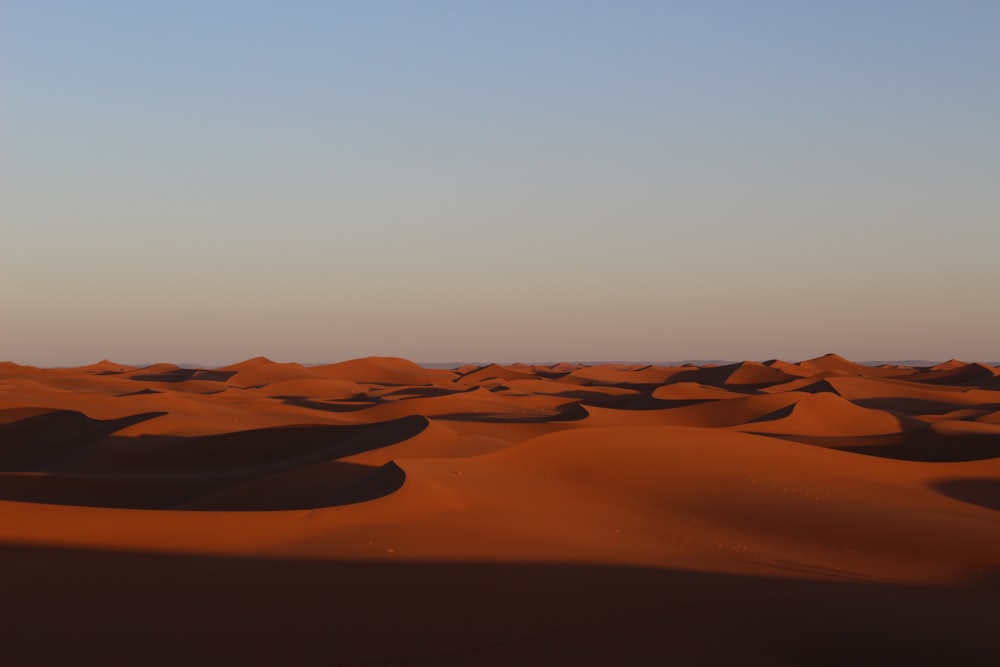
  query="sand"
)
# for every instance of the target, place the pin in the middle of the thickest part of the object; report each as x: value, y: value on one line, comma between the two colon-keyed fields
x: 376, y: 512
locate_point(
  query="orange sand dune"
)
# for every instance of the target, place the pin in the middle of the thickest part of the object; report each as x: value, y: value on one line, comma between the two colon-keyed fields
x: 708, y: 414
x: 829, y: 414
x: 494, y: 372
x: 623, y: 375
x: 561, y: 368
x: 105, y: 367
x: 753, y: 373
x: 817, y: 382
x: 684, y: 391
x: 261, y: 371
x: 834, y: 362
x: 377, y: 512
x: 527, y: 387
x: 971, y: 375
x: 790, y: 369
x: 384, y: 371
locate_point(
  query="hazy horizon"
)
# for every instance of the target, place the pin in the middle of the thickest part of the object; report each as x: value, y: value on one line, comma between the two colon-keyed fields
x: 454, y: 364
x: 208, y: 182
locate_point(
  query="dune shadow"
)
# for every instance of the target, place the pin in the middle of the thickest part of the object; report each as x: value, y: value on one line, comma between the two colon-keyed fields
x: 819, y: 387
x: 638, y: 402
x: 977, y: 377
x: 982, y: 491
x: 184, y: 374
x: 142, y: 392
x: 566, y: 413
x: 129, y: 608
x: 932, y: 447
x: 780, y: 413
x: 925, y: 445
x: 550, y: 374
x: 292, y: 467
x: 339, y: 483
x: 428, y: 391
x: 178, y: 375
x: 44, y: 439
x: 324, y: 406
x: 918, y: 406
x: 715, y: 376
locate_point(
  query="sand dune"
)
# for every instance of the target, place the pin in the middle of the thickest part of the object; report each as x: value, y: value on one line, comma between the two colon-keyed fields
x: 374, y: 511
x: 829, y: 414
x: 753, y: 373
x: 835, y: 362
x: 707, y: 414
x: 384, y: 371
x: 686, y: 391
x: 622, y: 375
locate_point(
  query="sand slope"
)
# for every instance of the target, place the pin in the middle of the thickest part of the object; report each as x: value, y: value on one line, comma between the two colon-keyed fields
x: 374, y: 511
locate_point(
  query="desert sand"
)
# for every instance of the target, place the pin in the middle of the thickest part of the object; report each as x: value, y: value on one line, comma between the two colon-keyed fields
x: 378, y: 512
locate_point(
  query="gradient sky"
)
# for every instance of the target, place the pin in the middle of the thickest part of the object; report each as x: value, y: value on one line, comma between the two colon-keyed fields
x: 203, y: 182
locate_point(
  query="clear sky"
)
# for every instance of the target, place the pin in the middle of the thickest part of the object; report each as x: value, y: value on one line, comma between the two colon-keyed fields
x: 205, y: 181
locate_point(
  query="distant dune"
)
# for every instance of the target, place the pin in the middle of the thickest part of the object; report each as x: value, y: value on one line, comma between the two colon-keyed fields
x: 377, y: 511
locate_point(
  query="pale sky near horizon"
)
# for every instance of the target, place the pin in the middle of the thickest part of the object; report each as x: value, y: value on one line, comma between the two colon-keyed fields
x: 314, y: 181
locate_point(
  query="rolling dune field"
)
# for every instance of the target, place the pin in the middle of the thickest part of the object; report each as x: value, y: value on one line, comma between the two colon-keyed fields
x: 378, y: 512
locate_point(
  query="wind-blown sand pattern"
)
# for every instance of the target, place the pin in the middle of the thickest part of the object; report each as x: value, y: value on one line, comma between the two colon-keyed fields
x: 378, y: 512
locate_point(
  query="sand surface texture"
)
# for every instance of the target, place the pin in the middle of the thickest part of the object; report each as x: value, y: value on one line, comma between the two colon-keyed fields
x: 378, y: 512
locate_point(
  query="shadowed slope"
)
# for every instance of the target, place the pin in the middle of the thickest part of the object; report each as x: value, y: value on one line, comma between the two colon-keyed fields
x: 984, y: 492
x: 829, y: 414
x: 39, y: 439
x: 712, y: 413
x: 91, y: 469
x: 125, y: 609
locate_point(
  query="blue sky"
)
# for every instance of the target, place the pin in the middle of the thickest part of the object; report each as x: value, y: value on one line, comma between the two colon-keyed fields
x: 315, y: 181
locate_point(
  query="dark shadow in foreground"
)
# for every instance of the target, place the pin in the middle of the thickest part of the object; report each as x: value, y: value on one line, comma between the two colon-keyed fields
x: 925, y: 445
x: 64, y: 606
x: 984, y: 491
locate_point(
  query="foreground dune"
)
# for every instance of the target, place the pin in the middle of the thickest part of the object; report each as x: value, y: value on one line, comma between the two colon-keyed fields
x: 374, y: 511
